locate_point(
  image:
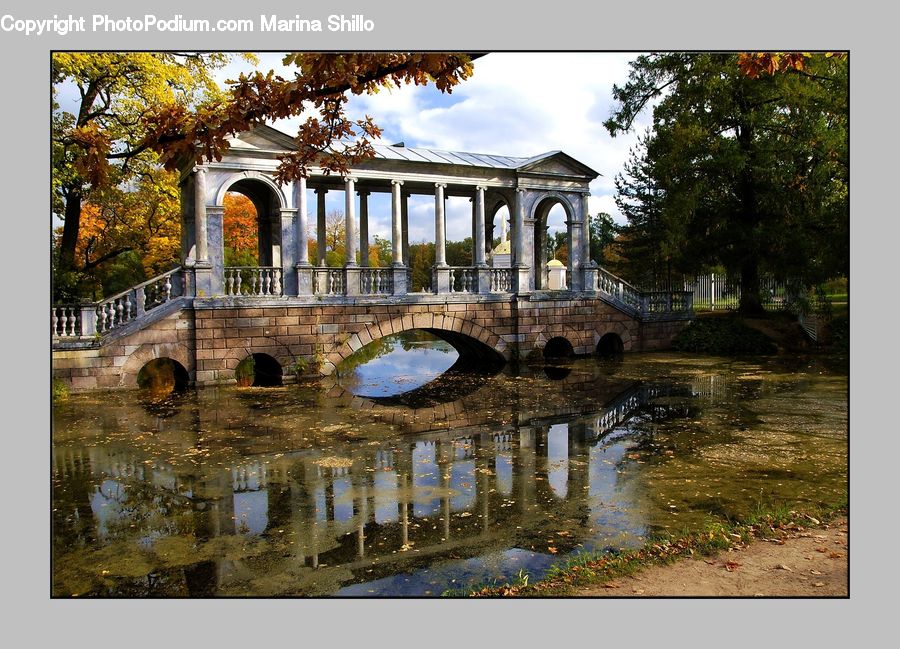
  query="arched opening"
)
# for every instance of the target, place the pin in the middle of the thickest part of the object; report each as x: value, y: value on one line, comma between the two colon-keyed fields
x: 558, y: 347
x: 259, y: 371
x: 499, y: 244
x: 552, y: 239
x: 418, y: 368
x: 610, y: 346
x: 163, y: 376
x: 250, y: 239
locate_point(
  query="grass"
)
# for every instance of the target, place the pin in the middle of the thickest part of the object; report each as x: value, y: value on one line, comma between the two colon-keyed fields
x: 722, y: 336
x: 594, y: 568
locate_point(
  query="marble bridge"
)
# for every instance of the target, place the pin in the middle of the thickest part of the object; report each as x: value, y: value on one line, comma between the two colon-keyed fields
x: 298, y: 314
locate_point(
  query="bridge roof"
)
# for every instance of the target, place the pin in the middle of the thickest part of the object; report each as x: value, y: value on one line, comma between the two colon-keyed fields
x: 267, y: 137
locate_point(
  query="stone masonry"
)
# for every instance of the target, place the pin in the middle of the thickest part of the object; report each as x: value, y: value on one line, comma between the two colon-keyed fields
x: 210, y: 339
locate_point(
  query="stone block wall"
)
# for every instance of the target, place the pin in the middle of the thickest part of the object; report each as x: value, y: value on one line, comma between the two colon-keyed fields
x: 210, y: 339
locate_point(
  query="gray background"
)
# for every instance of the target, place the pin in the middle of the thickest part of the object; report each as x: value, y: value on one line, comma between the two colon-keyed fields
x: 462, y: 25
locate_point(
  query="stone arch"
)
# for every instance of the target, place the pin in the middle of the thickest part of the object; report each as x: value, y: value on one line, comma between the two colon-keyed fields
x: 269, y: 202
x: 619, y: 329
x: 433, y: 322
x: 152, y: 351
x: 236, y: 178
x: 268, y: 371
x: 540, y: 210
x: 235, y: 355
x: 559, y: 347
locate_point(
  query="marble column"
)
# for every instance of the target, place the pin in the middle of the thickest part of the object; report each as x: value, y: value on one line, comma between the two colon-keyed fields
x: 350, y: 220
x: 404, y: 222
x: 202, y: 249
x: 320, y: 226
x: 302, y: 226
x: 301, y: 239
x: 440, y: 238
x: 397, y: 223
x: 479, y: 227
x: 363, y: 227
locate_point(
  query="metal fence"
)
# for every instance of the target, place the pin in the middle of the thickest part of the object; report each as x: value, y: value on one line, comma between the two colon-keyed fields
x: 717, y: 291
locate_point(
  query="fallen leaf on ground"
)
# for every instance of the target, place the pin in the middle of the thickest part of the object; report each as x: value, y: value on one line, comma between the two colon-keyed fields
x: 781, y: 566
x: 731, y: 566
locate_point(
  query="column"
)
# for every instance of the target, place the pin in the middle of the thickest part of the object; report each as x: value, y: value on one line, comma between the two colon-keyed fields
x: 397, y: 223
x: 320, y: 225
x: 350, y: 220
x: 301, y: 232
x: 404, y: 223
x: 479, y: 226
x: 440, y: 239
x: 521, y: 271
x: 202, y: 251
x: 441, y: 270
x: 397, y: 238
x: 363, y: 227
x: 301, y: 240
x: 591, y: 271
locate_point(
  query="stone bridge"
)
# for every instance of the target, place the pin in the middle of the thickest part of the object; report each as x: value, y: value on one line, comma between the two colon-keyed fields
x: 510, y: 304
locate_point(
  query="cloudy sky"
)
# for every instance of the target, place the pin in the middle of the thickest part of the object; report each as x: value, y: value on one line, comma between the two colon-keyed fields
x: 516, y: 104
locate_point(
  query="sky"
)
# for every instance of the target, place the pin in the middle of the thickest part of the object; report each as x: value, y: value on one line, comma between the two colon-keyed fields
x: 515, y: 104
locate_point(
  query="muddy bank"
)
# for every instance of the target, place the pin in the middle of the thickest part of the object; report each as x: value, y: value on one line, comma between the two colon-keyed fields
x: 807, y: 563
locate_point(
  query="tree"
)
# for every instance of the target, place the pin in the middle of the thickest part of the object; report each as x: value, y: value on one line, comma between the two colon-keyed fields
x: 603, y: 231
x: 139, y: 109
x: 380, y: 252
x: 241, y: 231
x: 139, y: 223
x: 100, y: 142
x: 747, y: 172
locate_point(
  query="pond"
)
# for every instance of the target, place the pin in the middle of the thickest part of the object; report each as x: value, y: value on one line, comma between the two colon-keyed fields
x: 411, y: 474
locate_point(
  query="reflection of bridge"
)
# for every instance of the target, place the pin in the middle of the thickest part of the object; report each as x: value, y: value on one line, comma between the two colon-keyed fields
x: 354, y: 512
x: 209, y: 317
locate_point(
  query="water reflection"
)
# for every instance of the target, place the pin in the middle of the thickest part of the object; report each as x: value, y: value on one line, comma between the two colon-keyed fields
x: 299, y: 492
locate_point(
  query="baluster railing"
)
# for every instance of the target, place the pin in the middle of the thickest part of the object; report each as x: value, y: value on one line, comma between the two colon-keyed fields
x: 463, y: 279
x: 501, y: 280
x: 65, y: 321
x: 376, y: 281
x: 253, y: 281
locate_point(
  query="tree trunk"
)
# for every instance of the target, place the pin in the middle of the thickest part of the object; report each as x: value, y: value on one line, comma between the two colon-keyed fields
x: 70, y: 231
x: 750, y: 303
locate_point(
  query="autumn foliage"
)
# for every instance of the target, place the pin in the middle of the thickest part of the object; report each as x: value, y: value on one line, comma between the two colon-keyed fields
x: 240, y: 224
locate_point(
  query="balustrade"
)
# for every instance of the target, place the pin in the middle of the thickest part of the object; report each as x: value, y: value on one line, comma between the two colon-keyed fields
x: 463, y: 279
x: 376, y: 281
x: 65, y: 321
x: 253, y: 281
x: 329, y: 281
x: 501, y: 280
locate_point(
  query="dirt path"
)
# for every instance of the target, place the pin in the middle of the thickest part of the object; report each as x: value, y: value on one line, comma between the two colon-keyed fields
x: 812, y: 563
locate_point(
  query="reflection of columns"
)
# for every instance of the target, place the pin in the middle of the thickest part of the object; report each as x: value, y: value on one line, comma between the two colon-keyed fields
x: 320, y: 225
x: 479, y: 226
x: 404, y: 222
x: 396, y: 223
x: 302, y: 227
x: 350, y: 220
x: 363, y: 227
x: 202, y: 250
x: 404, y: 508
x: 440, y: 239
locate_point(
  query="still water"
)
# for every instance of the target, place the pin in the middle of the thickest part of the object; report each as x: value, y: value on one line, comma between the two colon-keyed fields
x: 409, y: 474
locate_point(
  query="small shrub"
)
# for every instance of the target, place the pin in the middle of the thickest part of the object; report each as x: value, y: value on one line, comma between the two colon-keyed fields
x: 724, y: 337
x: 60, y: 390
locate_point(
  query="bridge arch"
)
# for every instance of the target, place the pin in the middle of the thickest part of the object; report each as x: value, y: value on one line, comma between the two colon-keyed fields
x: 620, y: 331
x: 149, y: 352
x: 466, y: 336
x: 540, y: 212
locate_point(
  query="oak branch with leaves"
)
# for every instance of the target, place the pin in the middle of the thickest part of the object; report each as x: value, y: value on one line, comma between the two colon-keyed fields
x: 145, y: 109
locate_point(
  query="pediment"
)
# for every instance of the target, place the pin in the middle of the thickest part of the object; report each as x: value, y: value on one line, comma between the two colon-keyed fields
x: 557, y: 163
x: 264, y: 138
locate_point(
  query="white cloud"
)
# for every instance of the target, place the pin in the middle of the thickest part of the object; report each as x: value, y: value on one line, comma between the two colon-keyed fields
x: 517, y: 104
